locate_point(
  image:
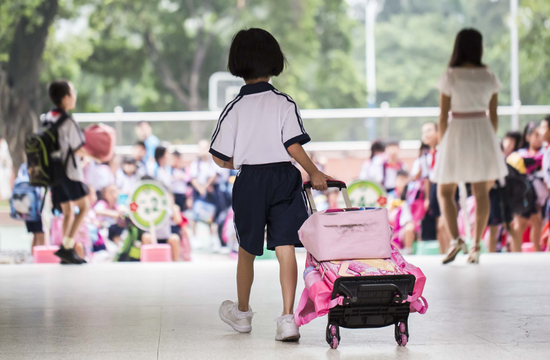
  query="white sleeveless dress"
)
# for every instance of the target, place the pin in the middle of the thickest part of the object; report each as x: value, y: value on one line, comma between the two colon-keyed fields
x: 469, y: 152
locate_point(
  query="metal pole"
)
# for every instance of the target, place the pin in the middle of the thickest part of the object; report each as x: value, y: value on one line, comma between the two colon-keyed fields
x: 118, y: 125
x: 370, y: 58
x: 514, y: 63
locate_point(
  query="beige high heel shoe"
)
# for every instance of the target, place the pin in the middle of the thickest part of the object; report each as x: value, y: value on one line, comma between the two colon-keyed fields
x: 473, y: 257
x: 457, y: 245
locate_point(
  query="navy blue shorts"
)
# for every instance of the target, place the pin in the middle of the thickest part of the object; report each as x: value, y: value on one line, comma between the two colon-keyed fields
x: 181, y: 201
x: 434, y: 209
x: 496, y: 215
x: 34, y: 226
x: 268, y: 195
x: 68, y: 190
x: 115, y: 231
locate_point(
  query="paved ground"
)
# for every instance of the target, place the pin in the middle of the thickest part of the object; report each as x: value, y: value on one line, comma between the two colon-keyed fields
x: 497, y: 310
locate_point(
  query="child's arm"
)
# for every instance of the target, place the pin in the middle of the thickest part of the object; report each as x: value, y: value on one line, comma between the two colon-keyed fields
x: 445, y: 105
x: 108, y: 213
x: 493, y: 104
x: 224, y: 164
x: 201, y: 189
x: 318, y: 179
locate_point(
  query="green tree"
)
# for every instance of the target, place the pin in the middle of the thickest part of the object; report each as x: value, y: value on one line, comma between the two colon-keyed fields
x: 534, y: 22
x: 165, y: 51
x: 24, y: 27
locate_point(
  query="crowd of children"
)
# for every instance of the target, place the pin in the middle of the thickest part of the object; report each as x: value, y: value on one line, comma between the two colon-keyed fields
x: 518, y: 203
x: 89, y: 201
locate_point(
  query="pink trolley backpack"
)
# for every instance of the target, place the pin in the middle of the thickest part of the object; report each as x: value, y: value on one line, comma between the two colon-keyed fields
x: 354, y: 274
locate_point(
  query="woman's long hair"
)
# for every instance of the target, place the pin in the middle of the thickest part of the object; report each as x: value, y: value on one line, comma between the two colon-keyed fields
x: 468, y: 48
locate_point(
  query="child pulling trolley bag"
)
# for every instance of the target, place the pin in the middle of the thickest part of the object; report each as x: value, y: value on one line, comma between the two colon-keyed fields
x: 354, y: 274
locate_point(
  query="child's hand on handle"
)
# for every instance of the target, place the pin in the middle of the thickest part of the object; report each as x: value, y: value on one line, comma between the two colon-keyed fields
x: 319, y: 180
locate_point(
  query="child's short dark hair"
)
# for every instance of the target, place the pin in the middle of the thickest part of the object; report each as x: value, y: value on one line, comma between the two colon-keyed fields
x: 403, y: 173
x: 516, y: 136
x: 159, y: 153
x: 140, y: 144
x: 57, y: 90
x: 255, y: 54
x: 127, y: 160
x: 377, y: 147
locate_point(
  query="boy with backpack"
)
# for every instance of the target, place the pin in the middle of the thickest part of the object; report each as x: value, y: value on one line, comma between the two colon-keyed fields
x: 259, y: 133
x: 68, y: 188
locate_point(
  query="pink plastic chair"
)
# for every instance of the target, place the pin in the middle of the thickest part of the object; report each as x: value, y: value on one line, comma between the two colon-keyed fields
x: 156, y: 253
x: 527, y: 247
x: 44, y: 254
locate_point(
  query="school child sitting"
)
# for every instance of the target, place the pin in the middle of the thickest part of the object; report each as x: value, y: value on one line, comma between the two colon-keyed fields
x: 180, y: 181
x: 108, y: 213
x: 168, y: 233
x: 401, y: 217
x: 127, y: 176
x: 160, y: 169
x: 370, y: 170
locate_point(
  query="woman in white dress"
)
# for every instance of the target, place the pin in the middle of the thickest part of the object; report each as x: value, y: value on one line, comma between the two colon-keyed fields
x: 469, y: 151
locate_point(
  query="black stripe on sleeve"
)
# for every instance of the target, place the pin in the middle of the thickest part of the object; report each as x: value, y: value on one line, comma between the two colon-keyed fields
x: 289, y: 99
x: 219, y: 155
x: 229, y: 107
x: 222, y: 114
x: 301, y: 139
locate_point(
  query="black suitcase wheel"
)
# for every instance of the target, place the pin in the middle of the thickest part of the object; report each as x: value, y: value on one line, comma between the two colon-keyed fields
x: 333, y: 335
x: 401, y: 333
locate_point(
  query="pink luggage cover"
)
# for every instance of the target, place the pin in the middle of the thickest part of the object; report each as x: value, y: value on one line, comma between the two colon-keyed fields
x: 100, y: 141
x: 44, y: 254
x: 363, y: 234
x: 156, y: 253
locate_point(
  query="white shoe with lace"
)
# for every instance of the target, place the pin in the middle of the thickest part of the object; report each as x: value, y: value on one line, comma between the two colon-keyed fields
x: 287, y: 330
x: 238, y: 320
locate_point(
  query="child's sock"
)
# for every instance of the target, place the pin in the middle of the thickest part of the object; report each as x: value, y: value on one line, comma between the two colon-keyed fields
x: 68, y: 243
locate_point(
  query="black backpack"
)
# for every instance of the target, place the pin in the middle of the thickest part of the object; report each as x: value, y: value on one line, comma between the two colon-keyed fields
x: 44, y: 163
x: 519, y: 191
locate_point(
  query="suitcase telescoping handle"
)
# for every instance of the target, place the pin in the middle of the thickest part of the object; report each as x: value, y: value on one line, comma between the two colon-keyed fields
x: 331, y: 184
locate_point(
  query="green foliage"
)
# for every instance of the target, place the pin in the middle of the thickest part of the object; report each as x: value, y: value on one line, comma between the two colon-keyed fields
x: 534, y: 21
x: 157, y: 55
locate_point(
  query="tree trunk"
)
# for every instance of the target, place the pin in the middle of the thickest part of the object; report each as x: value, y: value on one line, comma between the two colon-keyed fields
x: 19, y: 84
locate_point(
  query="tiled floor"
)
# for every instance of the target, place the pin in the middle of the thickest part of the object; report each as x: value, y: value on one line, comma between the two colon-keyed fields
x: 497, y: 310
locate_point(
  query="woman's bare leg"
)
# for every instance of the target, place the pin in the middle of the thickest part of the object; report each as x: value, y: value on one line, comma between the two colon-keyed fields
x: 483, y: 208
x: 446, y: 196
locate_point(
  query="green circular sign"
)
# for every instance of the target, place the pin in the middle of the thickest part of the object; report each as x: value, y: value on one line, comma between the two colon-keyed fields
x: 365, y: 193
x: 149, y: 204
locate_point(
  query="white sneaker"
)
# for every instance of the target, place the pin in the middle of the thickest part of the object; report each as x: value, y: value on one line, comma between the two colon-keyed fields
x: 238, y: 320
x: 287, y: 330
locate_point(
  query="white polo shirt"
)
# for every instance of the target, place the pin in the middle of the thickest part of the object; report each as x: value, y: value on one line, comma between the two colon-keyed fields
x: 257, y: 127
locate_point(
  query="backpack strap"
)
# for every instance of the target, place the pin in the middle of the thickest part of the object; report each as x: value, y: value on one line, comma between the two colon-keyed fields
x: 420, y: 305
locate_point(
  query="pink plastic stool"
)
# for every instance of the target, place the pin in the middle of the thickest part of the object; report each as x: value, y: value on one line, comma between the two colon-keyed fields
x: 156, y: 253
x: 44, y: 254
x: 527, y: 247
